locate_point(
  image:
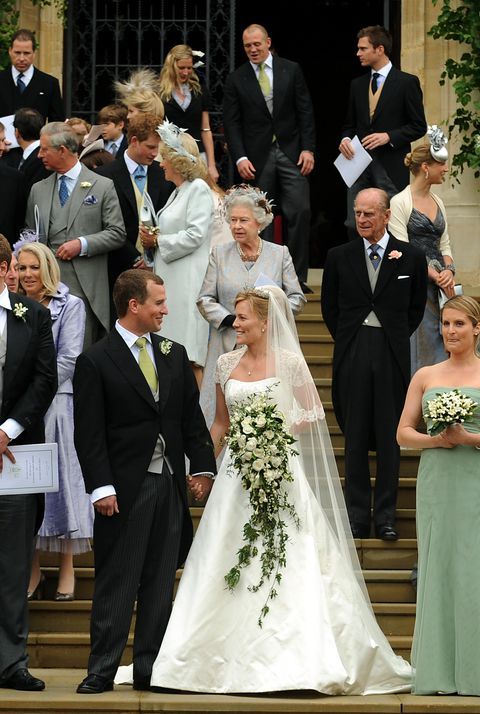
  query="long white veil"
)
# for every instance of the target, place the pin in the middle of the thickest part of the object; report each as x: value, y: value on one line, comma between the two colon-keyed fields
x: 306, y: 418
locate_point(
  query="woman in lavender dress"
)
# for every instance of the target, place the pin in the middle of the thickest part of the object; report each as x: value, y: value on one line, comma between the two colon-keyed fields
x: 68, y: 522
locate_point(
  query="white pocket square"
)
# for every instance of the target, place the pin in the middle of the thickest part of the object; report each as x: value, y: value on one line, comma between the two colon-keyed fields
x: 402, y: 277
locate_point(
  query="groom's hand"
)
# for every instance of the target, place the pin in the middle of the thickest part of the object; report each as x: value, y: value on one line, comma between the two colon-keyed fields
x: 199, y: 486
x: 4, y: 442
x: 106, y: 506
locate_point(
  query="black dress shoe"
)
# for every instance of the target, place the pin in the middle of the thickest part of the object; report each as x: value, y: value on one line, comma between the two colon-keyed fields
x: 94, y: 684
x: 305, y: 289
x: 24, y: 681
x: 359, y: 530
x: 386, y: 531
x: 142, y: 685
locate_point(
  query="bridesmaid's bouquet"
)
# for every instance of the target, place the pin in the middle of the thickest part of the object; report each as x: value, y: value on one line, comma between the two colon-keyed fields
x: 448, y: 408
x: 260, y: 446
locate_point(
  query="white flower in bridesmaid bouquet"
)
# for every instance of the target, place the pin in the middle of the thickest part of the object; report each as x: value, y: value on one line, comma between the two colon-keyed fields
x: 452, y: 407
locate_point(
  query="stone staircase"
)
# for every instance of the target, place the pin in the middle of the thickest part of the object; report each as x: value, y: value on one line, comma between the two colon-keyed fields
x: 59, y: 632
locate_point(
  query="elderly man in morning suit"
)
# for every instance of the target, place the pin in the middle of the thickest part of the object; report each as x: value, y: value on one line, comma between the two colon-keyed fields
x: 373, y: 297
x: 80, y: 220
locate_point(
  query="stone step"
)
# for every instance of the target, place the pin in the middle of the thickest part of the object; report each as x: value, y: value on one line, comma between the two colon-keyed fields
x: 319, y: 366
x: 373, y: 554
x: 384, y: 585
x: 316, y: 344
x: 71, y: 649
x: 313, y: 304
x: 308, y: 324
x: 60, y: 698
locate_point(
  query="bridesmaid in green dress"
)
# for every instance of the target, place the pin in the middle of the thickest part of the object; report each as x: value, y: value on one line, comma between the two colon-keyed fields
x: 447, y: 629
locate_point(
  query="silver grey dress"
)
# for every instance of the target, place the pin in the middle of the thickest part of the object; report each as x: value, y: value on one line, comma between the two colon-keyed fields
x: 226, y: 275
x: 68, y: 520
x: 426, y: 343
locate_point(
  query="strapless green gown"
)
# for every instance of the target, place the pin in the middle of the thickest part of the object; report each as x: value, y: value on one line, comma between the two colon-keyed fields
x: 446, y: 644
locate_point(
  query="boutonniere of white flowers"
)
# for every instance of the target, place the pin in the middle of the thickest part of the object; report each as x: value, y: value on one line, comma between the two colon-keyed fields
x: 85, y: 184
x: 165, y: 347
x: 19, y: 310
x: 395, y: 254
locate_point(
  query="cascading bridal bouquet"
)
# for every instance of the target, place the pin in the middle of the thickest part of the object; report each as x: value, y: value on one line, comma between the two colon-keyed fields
x: 260, y: 446
x: 452, y: 407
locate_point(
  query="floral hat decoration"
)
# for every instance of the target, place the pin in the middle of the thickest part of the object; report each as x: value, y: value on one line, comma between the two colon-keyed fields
x: 438, y: 142
x: 171, y: 134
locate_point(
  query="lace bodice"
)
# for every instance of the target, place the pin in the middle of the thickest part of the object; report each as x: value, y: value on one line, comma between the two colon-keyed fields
x: 294, y: 369
x: 236, y: 391
x: 294, y: 378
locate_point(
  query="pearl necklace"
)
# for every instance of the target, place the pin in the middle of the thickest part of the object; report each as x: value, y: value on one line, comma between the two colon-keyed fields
x: 249, y: 371
x: 254, y: 257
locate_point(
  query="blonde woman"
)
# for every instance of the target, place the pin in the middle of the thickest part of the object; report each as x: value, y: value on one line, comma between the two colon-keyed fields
x: 180, y: 249
x: 140, y: 94
x: 186, y: 100
x: 68, y: 521
x: 418, y: 216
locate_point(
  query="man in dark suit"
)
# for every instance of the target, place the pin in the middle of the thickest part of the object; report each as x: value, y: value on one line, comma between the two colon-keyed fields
x: 23, y: 85
x: 270, y: 133
x: 14, y: 198
x: 28, y: 123
x: 136, y: 417
x: 385, y: 111
x: 373, y: 297
x: 143, y: 142
x: 28, y: 382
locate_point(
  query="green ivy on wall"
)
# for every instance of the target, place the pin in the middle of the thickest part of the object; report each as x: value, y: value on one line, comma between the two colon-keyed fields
x: 461, y: 23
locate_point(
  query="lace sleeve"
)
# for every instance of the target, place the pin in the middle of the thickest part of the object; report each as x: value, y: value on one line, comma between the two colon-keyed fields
x: 307, y: 406
x: 225, y: 365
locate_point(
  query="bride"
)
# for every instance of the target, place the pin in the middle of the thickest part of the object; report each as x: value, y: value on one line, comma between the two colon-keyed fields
x: 318, y: 632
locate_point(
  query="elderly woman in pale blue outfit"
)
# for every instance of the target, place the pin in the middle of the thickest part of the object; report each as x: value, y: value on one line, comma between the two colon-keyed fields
x: 179, y: 245
x: 234, y: 266
x: 68, y: 522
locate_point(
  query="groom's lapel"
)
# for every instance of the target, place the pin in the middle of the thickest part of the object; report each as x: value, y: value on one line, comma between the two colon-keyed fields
x: 164, y: 371
x: 120, y: 354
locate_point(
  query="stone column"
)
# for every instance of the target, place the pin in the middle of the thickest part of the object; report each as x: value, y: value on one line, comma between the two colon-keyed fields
x: 48, y: 28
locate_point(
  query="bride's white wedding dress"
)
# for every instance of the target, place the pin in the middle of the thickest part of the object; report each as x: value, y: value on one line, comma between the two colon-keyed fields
x: 320, y: 633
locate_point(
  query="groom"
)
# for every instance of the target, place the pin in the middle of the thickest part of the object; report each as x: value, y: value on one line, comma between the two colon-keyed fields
x: 136, y: 417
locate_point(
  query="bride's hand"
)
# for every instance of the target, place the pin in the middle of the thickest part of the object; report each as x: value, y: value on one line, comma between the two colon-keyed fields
x: 199, y: 486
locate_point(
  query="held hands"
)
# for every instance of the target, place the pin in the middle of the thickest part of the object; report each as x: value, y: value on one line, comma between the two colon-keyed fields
x: 446, y: 282
x: 148, y: 238
x: 199, y: 486
x: 69, y: 250
x: 107, y: 506
x: 306, y: 162
x: 4, y: 441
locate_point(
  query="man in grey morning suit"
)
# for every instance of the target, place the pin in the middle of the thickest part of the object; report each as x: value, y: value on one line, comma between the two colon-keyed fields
x: 80, y: 220
x: 136, y: 417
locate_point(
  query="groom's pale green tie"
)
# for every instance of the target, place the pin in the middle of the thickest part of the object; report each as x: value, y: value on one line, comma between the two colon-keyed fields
x: 146, y: 364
